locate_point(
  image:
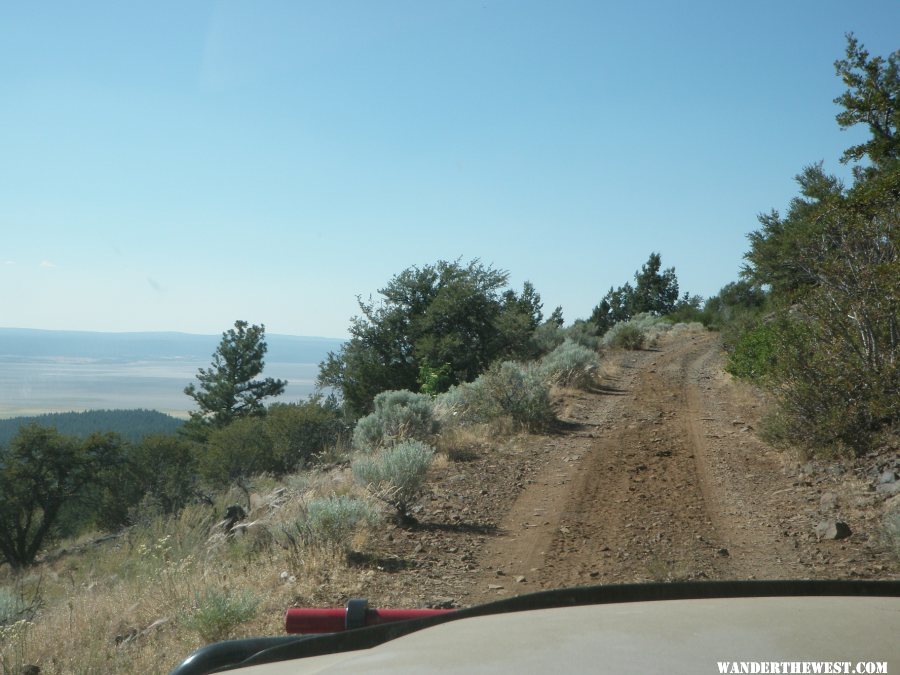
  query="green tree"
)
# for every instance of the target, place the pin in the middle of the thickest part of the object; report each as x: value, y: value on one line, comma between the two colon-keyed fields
x: 227, y: 390
x: 613, y: 308
x: 653, y: 291
x: 447, y: 313
x: 872, y: 98
x: 830, y: 348
x: 773, y: 258
x: 838, y: 371
x: 41, y: 474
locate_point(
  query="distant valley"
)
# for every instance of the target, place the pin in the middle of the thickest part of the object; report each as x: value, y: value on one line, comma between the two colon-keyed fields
x: 60, y: 371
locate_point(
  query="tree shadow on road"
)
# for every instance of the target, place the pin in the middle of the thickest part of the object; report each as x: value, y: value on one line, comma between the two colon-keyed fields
x: 606, y: 390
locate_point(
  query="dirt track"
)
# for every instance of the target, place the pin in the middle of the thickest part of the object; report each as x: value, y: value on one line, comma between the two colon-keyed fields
x: 656, y: 475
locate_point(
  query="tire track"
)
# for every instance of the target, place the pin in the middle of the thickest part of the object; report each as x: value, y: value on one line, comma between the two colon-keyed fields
x: 663, y: 481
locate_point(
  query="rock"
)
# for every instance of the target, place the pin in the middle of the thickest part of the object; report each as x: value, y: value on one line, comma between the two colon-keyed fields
x: 887, y: 477
x: 723, y: 552
x: 442, y: 603
x: 495, y: 587
x: 833, y: 529
x: 888, y: 489
x: 521, y: 579
x: 828, y: 501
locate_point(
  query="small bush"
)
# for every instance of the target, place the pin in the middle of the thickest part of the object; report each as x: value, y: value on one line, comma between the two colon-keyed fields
x: 398, y: 415
x: 548, y: 336
x: 333, y: 521
x: 463, y: 404
x: 584, y: 333
x: 397, y: 474
x: 300, y: 432
x: 569, y: 365
x: 753, y: 355
x: 833, y: 399
x: 519, y: 392
x: 243, y: 448
x: 216, y: 613
x: 625, y: 335
x: 507, y: 390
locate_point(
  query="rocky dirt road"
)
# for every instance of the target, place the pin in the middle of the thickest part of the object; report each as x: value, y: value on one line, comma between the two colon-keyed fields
x: 656, y: 475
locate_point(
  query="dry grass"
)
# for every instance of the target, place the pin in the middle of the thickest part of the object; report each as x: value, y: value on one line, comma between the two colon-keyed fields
x: 139, y: 604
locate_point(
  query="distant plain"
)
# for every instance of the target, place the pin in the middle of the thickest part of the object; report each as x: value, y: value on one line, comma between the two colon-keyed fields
x: 62, y: 385
x: 42, y: 372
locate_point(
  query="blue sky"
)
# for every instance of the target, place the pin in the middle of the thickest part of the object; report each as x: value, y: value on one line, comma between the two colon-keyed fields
x: 179, y: 165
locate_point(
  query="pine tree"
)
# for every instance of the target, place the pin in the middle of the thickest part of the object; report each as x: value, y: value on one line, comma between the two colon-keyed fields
x: 227, y: 390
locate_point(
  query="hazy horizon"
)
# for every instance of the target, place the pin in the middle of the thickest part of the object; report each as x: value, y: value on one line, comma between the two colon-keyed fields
x: 71, y: 371
x: 162, y: 332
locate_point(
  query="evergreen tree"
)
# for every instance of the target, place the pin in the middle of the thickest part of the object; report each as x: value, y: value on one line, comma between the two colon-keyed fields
x: 227, y: 390
x: 653, y: 292
x: 872, y: 98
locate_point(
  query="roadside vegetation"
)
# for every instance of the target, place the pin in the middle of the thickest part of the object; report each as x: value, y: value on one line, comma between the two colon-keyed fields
x: 824, y: 335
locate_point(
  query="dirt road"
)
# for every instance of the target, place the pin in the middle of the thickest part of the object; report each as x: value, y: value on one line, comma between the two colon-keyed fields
x: 658, y: 474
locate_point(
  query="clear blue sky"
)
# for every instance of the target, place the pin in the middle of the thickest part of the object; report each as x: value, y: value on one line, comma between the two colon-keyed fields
x: 174, y: 165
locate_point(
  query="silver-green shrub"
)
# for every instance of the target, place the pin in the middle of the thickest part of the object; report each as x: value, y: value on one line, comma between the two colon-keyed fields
x: 641, y: 329
x: 520, y: 392
x: 625, y: 335
x: 570, y: 365
x: 398, y: 415
x: 396, y: 474
x: 508, y: 389
x: 584, y: 333
x: 464, y: 403
x: 548, y: 336
x: 333, y: 521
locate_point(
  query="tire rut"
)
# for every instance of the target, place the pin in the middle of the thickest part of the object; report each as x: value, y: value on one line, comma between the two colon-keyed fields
x: 639, y: 498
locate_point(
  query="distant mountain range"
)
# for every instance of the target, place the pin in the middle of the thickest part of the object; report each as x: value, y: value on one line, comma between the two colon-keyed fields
x: 30, y: 343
